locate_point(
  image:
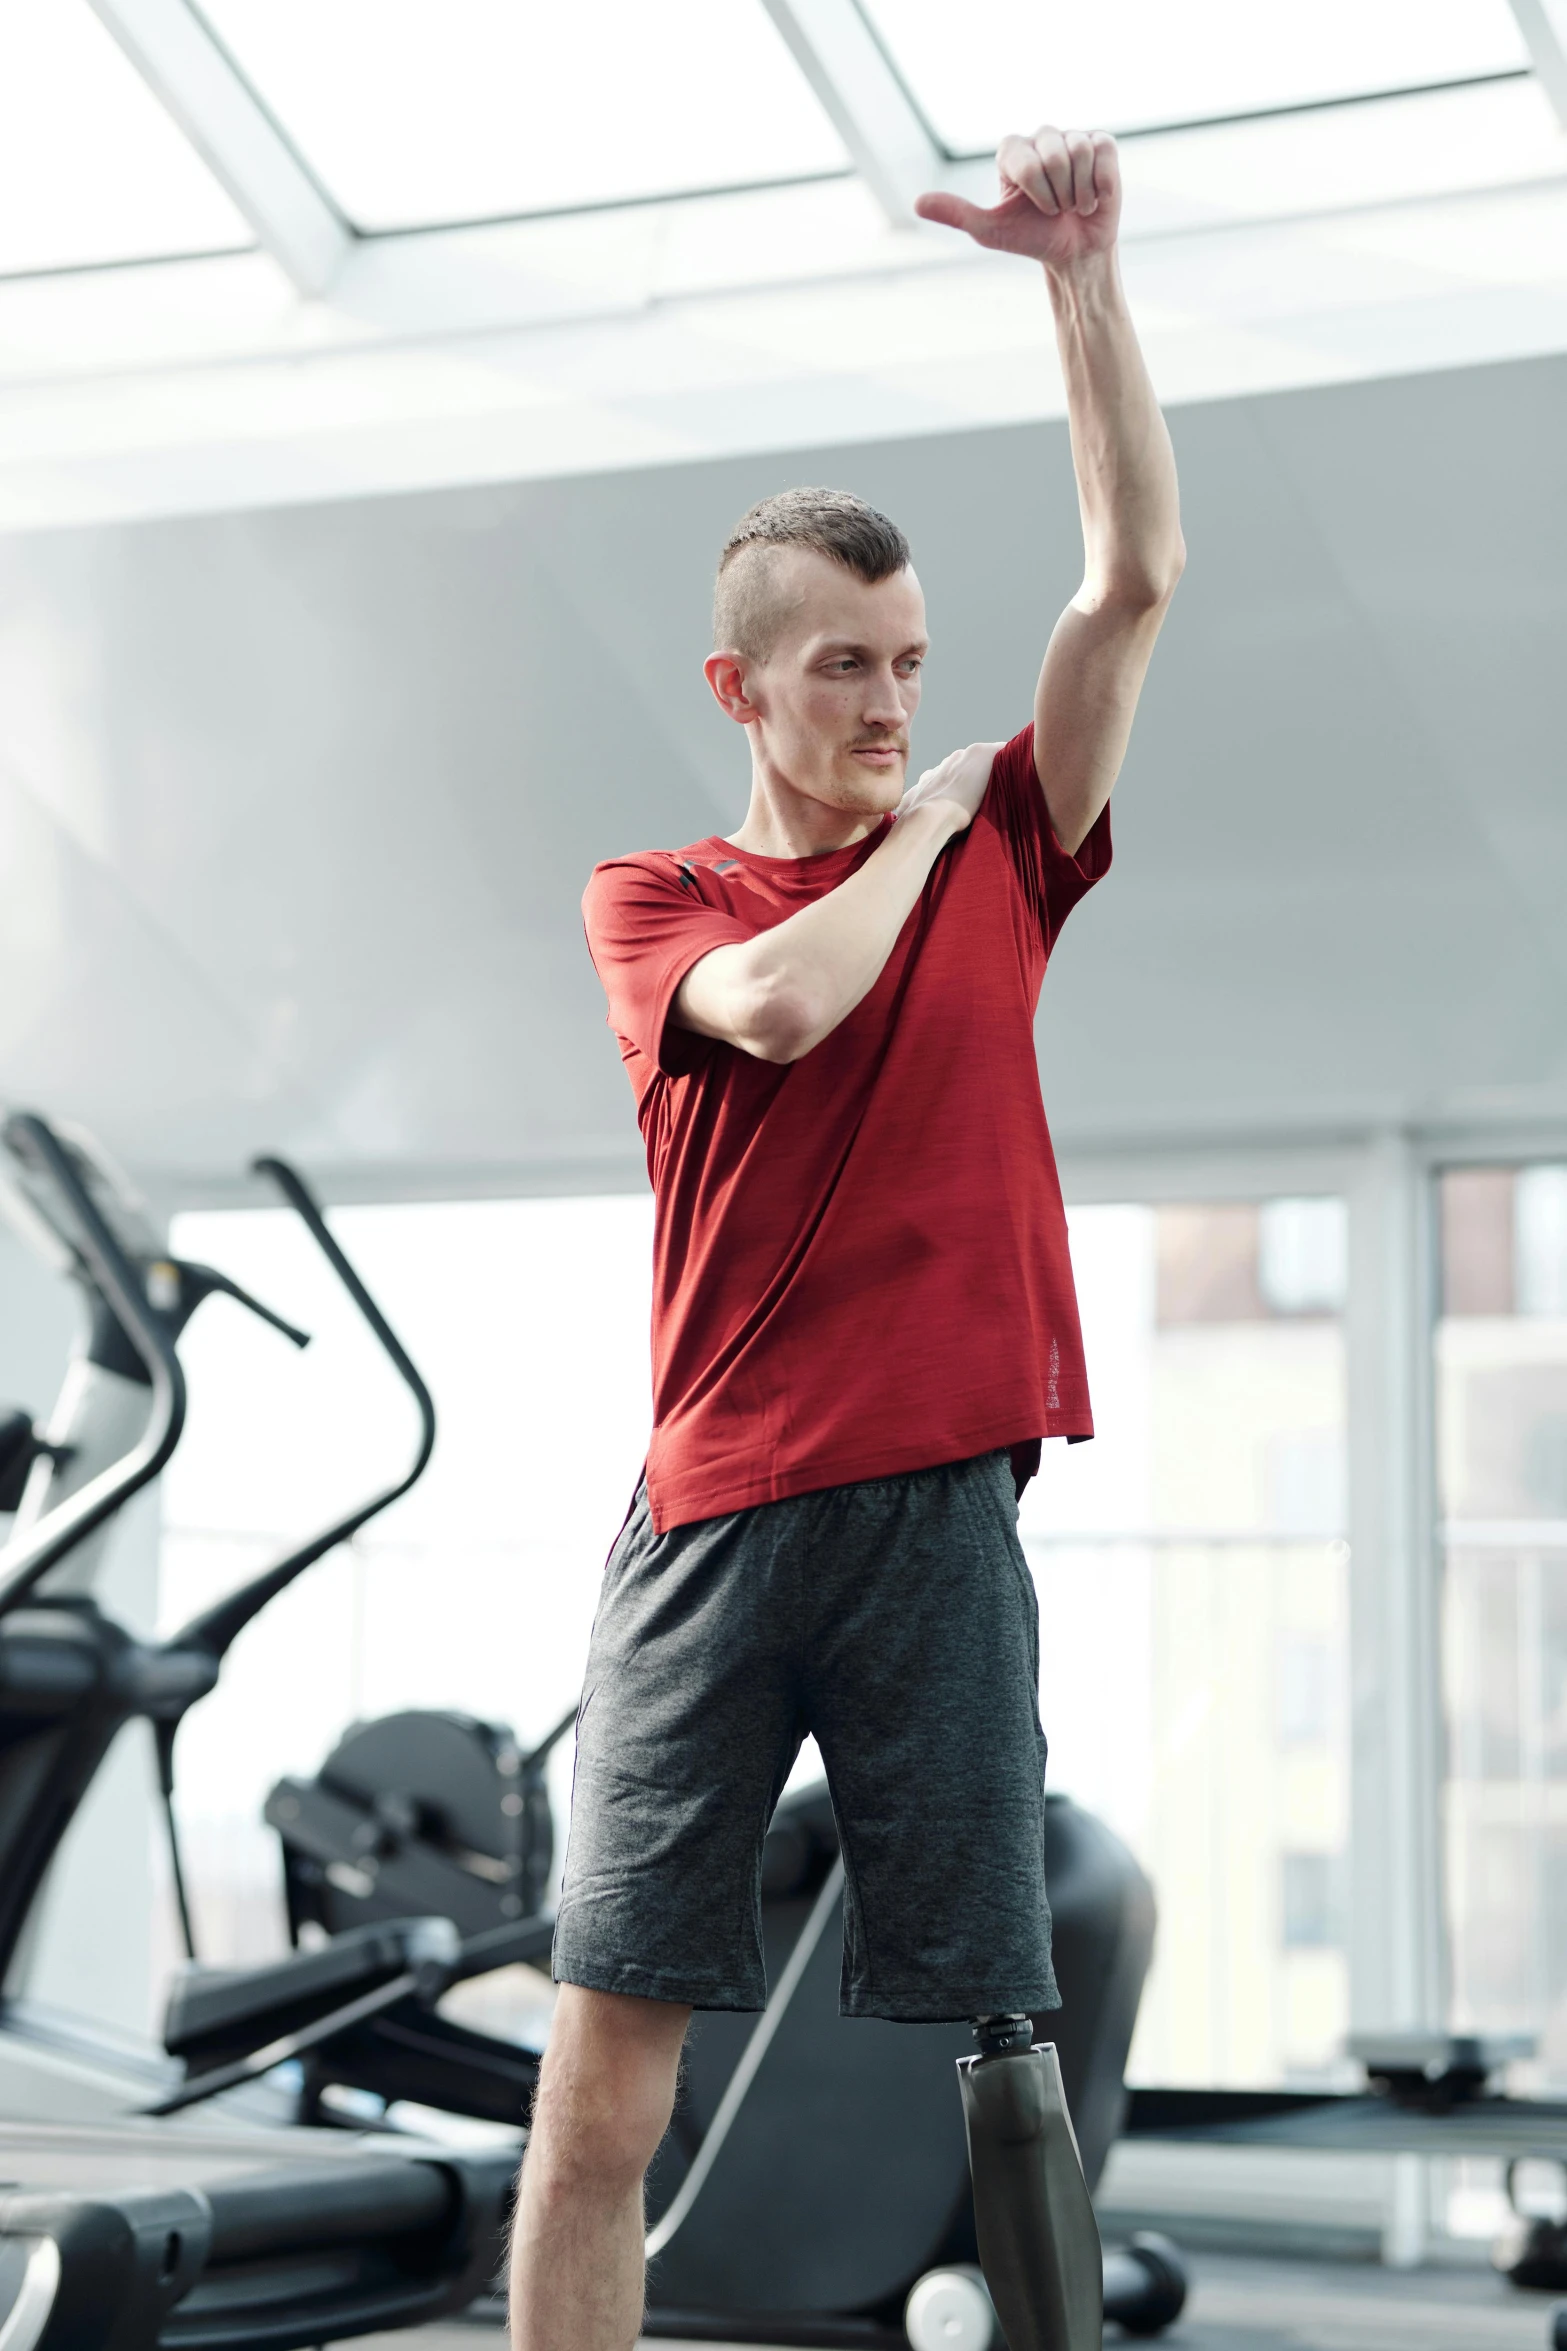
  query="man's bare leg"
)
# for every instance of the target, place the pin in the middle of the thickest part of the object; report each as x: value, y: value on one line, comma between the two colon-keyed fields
x: 606, y: 2093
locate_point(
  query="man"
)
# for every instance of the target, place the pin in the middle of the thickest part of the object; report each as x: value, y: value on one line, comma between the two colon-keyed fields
x: 864, y: 1320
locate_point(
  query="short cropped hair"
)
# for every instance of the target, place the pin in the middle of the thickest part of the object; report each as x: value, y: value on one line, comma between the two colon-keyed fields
x: 834, y: 523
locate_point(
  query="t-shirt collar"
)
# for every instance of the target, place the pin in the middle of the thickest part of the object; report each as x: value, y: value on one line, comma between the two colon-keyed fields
x: 828, y: 865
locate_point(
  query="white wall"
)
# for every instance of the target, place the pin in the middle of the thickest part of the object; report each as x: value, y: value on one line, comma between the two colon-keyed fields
x: 37, y: 1319
x: 297, y: 807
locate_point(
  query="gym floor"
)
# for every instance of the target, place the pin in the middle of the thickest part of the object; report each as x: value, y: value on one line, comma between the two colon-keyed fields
x: 1250, y: 2305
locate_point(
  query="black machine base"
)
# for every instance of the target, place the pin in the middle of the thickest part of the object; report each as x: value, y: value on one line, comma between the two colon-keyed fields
x: 124, y: 2240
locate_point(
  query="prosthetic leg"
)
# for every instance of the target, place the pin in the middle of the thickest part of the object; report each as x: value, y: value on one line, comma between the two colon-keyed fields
x: 1038, y: 2238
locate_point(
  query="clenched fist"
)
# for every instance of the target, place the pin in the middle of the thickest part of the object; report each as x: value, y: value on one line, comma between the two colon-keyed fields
x: 1060, y: 198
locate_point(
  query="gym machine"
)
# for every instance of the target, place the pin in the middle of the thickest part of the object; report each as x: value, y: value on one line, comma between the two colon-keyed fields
x: 116, y: 2232
x: 71, y: 1677
x: 361, y: 2012
x: 127, y: 2237
x: 816, y: 2165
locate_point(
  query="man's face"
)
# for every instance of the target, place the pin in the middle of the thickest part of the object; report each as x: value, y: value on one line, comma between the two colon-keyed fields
x: 837, y: 693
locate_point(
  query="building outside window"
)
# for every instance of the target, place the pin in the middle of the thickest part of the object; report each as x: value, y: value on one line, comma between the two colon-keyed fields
x: 1501, y: 1401
x: 1193, y: 1579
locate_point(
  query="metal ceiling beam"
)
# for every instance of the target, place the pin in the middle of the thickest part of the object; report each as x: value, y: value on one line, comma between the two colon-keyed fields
x: 1543, y: 24
x: 234, y: 135
x: 872, y: 112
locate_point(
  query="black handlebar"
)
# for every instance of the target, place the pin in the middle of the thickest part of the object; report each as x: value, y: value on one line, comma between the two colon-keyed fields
x: 217, y: 1627
x: 205, y: 1281
x: 28, y: 1557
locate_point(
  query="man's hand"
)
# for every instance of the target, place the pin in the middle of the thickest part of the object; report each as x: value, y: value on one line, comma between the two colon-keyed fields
x: 1061, y: 205
x: 1060, y: 199
x: 958, y: 782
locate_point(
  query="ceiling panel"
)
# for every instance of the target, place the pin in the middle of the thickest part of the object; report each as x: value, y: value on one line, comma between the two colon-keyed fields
x: 418, y: 112
x: 92, y: 169
x: 1124, y: 65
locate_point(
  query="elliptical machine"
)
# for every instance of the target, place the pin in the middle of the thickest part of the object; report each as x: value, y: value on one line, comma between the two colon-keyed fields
x: 115, y: 2229
x: 71, y: 1677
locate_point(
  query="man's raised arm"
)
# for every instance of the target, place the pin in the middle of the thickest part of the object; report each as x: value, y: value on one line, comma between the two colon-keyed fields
x: 1061, y: 206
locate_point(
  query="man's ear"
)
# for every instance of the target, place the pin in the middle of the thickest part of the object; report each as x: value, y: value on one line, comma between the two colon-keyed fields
x: 726, y: 674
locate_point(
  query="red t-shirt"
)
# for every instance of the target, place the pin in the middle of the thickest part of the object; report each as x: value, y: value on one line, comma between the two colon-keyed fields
x: 860, y: 1258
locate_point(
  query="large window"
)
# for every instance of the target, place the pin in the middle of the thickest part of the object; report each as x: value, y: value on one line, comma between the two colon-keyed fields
x: 93, y: 170
x: 529, y: 1320
x: 1191, y: 1563
x: 1133, y: 64
x: 1501, y: 1365
x: 412, y: 113
x: 1193, y: 1581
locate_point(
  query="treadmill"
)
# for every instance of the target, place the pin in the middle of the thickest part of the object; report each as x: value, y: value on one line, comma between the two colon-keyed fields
x: 128, y: 2236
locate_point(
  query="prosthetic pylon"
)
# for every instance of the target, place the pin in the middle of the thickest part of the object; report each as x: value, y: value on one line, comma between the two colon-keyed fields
x: 1038, y: 2238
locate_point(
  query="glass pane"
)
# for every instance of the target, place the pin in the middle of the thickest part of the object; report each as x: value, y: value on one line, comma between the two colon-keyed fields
x: 518, y: 1312
x: 412, y: 113
x: 1502, y: 1344
x: 1194, y: 1596
x: 1129, y: 64
x: 1501, y: 1397
x: 92, y: 169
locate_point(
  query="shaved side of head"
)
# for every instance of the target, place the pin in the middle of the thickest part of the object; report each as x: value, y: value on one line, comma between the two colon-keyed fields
x: 749, y: 605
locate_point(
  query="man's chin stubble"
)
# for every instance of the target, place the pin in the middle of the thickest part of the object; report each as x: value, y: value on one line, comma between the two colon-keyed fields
x: 878, y: 787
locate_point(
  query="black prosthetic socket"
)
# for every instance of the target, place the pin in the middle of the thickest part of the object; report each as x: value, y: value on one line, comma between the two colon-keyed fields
x: 1038, y: 2238
x: 997, y: 2036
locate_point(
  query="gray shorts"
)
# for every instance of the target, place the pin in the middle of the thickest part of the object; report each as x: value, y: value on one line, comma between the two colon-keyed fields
x: 895, y: 1620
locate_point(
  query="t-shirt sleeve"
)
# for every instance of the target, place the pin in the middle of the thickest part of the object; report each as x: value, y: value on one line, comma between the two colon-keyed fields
x: 646, y: 927
x: 1053, y: 878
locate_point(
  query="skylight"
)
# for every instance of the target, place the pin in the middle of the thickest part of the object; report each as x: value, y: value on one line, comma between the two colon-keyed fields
x: 1125, y: 65
x: 92, y: 169
x: 415, y: 113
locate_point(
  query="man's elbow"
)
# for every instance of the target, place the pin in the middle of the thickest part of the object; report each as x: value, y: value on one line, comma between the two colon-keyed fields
x: 1140, y: 581
x: 1171, y: 569
x: 1142, y: 585
x: 783, y: 1021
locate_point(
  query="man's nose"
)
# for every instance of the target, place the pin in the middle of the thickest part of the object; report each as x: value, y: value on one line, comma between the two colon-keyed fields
x: 883, y: 702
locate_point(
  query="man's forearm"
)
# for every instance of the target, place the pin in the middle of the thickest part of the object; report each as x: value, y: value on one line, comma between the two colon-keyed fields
x: 782, y: 992
x: 1061, y: 206
x: 1132, y: 549
x: 1121, y: 451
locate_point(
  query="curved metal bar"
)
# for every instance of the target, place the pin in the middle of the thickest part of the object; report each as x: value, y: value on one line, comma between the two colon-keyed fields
x: 217, y: 1627
x: 207, y: 1282
x: 31, y: 1556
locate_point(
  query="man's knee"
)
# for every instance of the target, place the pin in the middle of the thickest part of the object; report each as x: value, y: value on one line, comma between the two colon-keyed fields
x: 606, y: 2088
